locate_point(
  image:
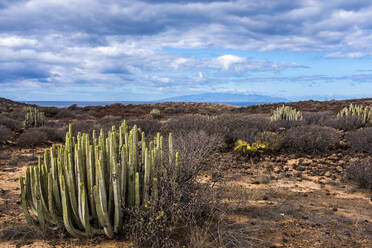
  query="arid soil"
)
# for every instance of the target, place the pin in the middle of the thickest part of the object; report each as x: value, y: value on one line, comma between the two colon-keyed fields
x: 275, y: 201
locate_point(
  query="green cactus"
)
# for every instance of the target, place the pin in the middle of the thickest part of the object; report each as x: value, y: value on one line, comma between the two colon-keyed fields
x: 84, y: 185
x: 362, y: 113
x: 286, y: 113
x: 33, y: 117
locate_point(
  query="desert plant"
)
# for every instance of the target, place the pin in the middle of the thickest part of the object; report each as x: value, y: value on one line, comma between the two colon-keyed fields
x: 5, y: 134
x: 33, y: 117
x: 360, y: 171
x: 246, y: 148
x: 10, y: 123
x: 32, y: 137
x: 274, y: 141
x: 360, y: 140
x: 85, y: 185
x: 155, y: 113
x: 359, y: 112
x: 310, y: 139
x: 286, y: 113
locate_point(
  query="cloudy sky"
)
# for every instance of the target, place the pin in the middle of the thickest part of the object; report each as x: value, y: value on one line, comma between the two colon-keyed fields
x: 147, y: 50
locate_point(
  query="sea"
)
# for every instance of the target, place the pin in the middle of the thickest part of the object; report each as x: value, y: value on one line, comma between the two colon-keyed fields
x: 65, y: 104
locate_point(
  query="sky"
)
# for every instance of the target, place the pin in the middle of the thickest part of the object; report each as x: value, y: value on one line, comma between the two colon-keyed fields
x: 91, y: 50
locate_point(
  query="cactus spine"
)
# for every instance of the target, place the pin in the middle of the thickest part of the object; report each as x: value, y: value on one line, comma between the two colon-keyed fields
x: 33, y: 117
x: 286, y: 113
x: 84, y: 185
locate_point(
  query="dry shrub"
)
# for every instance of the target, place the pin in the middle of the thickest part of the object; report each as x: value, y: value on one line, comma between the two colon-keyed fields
x: 82, y: 126
x: 195, y: 147
x: 10, y: 123
x: 181, y: 206
x: 360, y: 171
x: 360, y: 140
x: 149, y: 126
x: 54, y: 134
x: 50, y: 111
x: 108, y: 121
x: 183, y: 202
x: 189, y: 123
x: 236, y: 127
x: 310, y: 139
x: 65, y: 114
x: 346, y: 123
x: 317, y: 118
x: 274, y: 140
x: 280, y: 125
x: 32, y: 138
x: 5, y: 134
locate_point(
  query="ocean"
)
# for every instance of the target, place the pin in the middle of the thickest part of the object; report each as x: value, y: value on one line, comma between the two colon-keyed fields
x: 65, y: 104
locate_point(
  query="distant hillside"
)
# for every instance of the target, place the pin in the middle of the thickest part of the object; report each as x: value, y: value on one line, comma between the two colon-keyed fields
x: 225, y: 98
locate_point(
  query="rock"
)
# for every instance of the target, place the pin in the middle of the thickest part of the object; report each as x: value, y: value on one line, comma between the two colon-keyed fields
x: 292, y: 162
x: 333, y: 157
x: 328, y: 174
x: 339, y: 169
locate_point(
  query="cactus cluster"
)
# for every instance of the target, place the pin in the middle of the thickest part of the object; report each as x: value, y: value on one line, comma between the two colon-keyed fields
x: 362, y: 113
x: 286, y: 113
x: 33, y: 117
x: 86, y: 184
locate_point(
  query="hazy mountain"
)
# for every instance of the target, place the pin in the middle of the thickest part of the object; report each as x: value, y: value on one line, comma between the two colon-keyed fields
x: 225, y: 98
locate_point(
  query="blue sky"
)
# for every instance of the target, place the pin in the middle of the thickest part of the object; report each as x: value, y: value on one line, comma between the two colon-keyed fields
x: 148, y: 50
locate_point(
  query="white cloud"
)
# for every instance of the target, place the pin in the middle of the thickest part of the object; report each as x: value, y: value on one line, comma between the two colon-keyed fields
x: 226, y: 61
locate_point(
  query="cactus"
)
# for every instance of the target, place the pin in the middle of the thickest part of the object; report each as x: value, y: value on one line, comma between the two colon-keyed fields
x: 286, y: 113
x: 33, y: 117
x: 84, y: 185
x: 155, y: 113
x: 362, y: 113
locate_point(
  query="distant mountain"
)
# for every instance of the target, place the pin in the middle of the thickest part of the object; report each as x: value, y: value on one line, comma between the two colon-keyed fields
x: 225, y: 98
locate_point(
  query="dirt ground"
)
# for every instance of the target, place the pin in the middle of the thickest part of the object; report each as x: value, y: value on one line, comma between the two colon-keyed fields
x: 278, y: 201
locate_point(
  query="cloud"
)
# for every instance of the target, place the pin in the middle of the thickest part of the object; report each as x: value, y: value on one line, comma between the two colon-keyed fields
x: 96, y: 43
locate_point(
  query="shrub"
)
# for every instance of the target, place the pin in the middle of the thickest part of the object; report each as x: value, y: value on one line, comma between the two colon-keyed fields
x: 50, y: 111
x: 32, y: 138
x: 149, y: 126
x: 273, y: 140
x: 286, y: 113
x: 195, y: 147
x: 281, y: 125
x: 360, y: 140
x: 360, y: 171
x: 5, y: 134
x: 317, y: 118
x: 82, y: 126
x: 190, y: 123
x: 346, y: 123
x: 54, y: 134
x: 65, y: 114
x: 310, y: 139
x: 235, y: 127
x: 9, y: 123
x: 247, y: 149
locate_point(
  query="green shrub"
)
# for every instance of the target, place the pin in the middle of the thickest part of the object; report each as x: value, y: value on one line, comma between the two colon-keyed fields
x: 286, y: 113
